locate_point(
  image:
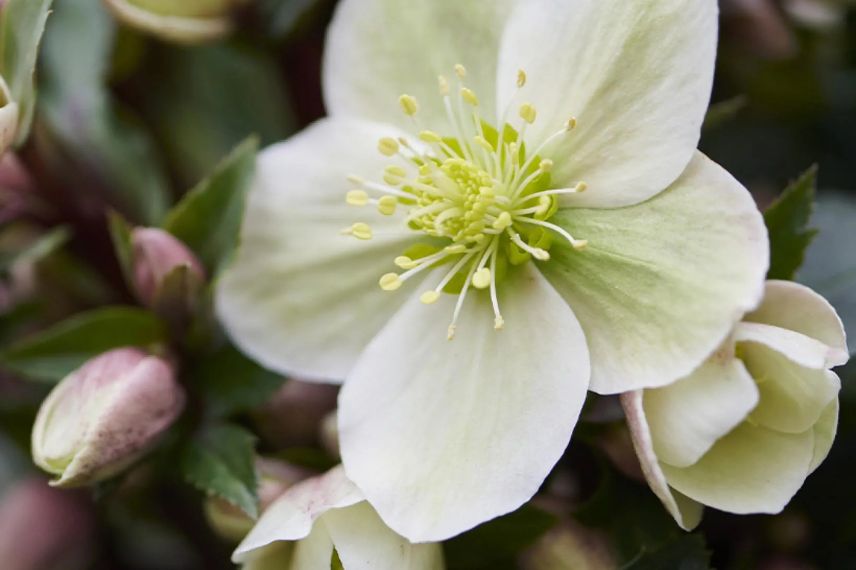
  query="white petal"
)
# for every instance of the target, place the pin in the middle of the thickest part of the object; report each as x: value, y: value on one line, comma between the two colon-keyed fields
x: 792, y: 397
x: 824, y: 434
x: 364, y: 542
x: 801, y: 349
x: 795, y: 307
x: 314, y: 552
x: 751, y: 470
x: 291, y: 517
x: 661, y: 284
x: 299, y: 297
x: 637, y: 76
x: 441, y: 435
x: 686, y: 512
x: 378, y: 50
x: 687, y: 417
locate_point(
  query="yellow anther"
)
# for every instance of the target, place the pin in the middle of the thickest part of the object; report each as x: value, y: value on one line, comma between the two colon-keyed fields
x: 528, y: 113
x: 359, y: 230
x: 450, y: 334
x: 541, y: 254
x: 469, y: 96
x: 455, y: 249
x: 408, y: 104
x: 521, y: 78
x: 571, y: 124
x: 481, y: 279
x: 514, y: 151
x: 386, y: 205
x: 394, y: 175
x: 405, y: 262
x: 581, y: 187
x: 502, y: 221
x: 443, y: 83
x: 498, y: 323
x: 429, y: 297
x: 460, y: 71
x: 580, y: 244
x: 482, y: 142
x: 358, y: 180
x: 430, y: 137
x: 388, y: 146
x: 546, y: 165
x: 357, y: 198
x: 390, y: 282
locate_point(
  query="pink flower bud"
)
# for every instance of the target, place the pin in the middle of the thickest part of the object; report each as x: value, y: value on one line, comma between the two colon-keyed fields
x: 156, y: 254
x: 43, y: 528
x: 104, y: 416
x: 294, y: 414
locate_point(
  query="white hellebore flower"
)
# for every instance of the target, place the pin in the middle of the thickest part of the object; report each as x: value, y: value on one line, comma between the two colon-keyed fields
x: 742, y: 433
x: 325, y: 518
x: 477, y: 196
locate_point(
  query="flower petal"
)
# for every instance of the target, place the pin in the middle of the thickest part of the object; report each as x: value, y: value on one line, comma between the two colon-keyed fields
x: 795, y: 307
x: 661, y: 284
x: 800, y: 349
x: 751, y: 470
x: 687, y: 417
x: 378, y: 50
x: 686, y: 512
x: 364, y: 542
x: 824, y: 434
x: 792, y: 397
x: 300, y: 298
x: 431, y: 430
x: 292, y: 516
x: 636, y: 75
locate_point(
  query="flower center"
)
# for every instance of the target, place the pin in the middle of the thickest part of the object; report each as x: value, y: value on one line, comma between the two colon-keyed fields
x: 482, y: 199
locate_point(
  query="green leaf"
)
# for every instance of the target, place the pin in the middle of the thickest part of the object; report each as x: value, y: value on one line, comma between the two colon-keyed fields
x: 495, y: 544
x: 120, y: 234
x: 22, y: 23
x: 99, y: 147
x: 685, y: 552
x: 209, y: 217
x: 787, y: 221
x: 39, y: 249
x: 199, y: 125
x: 220, y: 462
x: 52, y: 354
x: 230, y: 382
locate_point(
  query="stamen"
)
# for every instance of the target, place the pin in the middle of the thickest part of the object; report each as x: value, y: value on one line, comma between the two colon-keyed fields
x: 521, y: 78
x: 498, y: 321
x: 357, y: 198
x: 408, y: 104
x: 536, y: 252
x: 444, y: 85
x: 388, y: 146
x: 390, y: 282
x: 482, y: 278
x: 359, y: 230
x: 578, y: 244
x: 528, y: 113
x: 429, y: 297
x: 469, y: 96
x: 460, y: 71
x: 386, y: 205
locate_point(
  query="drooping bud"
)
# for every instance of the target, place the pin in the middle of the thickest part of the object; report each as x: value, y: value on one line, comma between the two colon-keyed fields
x: 65, y: 528
x: 165, y: 270
x: 188, y: 21
x: 570, y: 545
x: 101, y: 418
x: 274, y: 478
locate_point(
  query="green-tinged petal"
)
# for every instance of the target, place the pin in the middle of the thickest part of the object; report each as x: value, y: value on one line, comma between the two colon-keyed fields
x: 378, y: 50
x: 686, y: 512
x: 364, y: 542
x: 292, y: 516
x: 637, y: 76
x: 8, y: 117
x: 751, y: 470
x: 800, y: 349
x: 795, y: 307
x: 792, y: 397
x: 687, y: 417
x: 315, y: 551
x: 443, y: 435
x: 824, y: 434
x: 276, y: 556
x: 300, y: 297
x: 661, y: 284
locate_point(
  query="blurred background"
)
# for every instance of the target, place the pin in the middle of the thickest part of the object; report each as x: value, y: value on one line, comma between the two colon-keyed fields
x: 129, y: 122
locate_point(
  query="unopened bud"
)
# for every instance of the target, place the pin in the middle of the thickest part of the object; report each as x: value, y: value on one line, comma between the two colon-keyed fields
x: 572, y: 546
x: 8, y: 117
x: 43, y: 528
x: 274, y: 478
x: 293, y: 415
x: 188, y: 21
x: 101, y: 418
x: 157, y: 255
